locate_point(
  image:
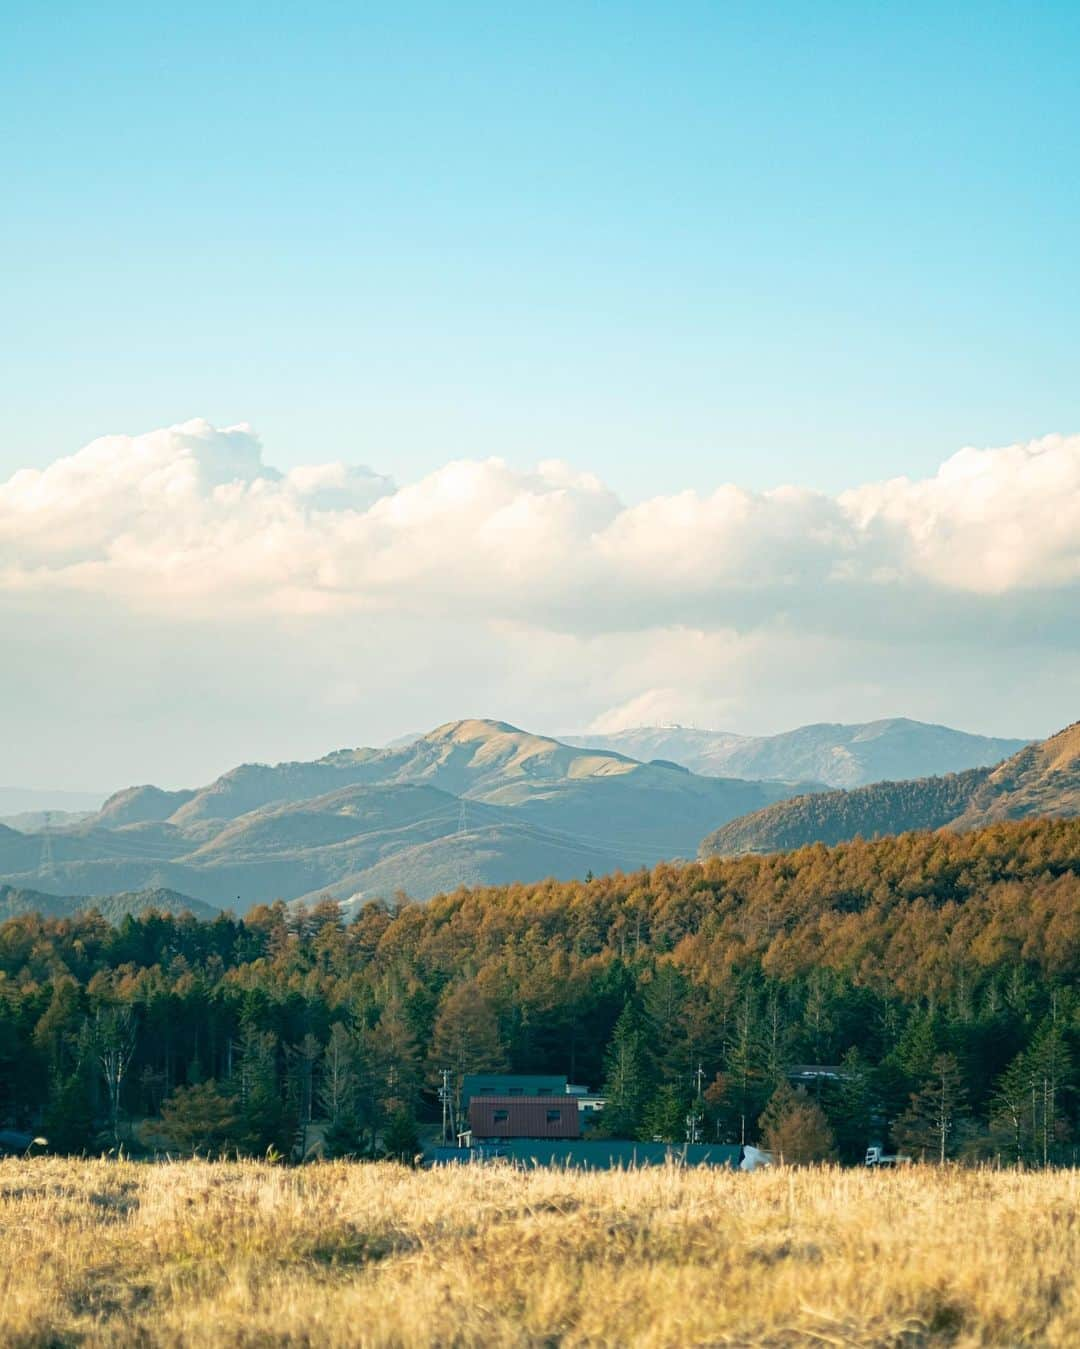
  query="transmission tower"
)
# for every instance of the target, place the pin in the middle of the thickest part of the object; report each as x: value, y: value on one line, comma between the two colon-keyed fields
x: 46, y: 862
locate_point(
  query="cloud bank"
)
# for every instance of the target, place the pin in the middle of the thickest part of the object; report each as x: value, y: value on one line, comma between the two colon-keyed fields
x: 192, y: 513
x: 549, y: 584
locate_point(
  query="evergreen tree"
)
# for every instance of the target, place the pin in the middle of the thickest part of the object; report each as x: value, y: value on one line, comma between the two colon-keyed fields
x: 626, y: 1085
x: 400, y: 1140
x: 200, y: 1118
x: 744, y: 1053
x: 848, y: 1105
x: 1049, y: 1067
x: 1011, y: 1108
x: 664, y: 1000
x: 68, y: 1119
x: 263, y: 1118
x: 664, y: 1117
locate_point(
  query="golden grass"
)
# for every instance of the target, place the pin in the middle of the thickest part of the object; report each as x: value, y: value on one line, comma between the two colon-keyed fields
x: 198, y: 1254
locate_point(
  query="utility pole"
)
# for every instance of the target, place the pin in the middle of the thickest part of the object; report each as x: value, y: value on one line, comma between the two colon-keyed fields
x: 446, y: 1098
x: 694, y: 1119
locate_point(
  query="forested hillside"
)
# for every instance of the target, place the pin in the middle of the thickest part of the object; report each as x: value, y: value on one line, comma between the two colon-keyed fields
x: 1040, y: 780
x: 943, y: 958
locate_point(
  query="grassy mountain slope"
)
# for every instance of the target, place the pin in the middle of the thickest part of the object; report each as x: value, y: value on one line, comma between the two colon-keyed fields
x: 465, y: 758
x: 1040, y: 780
x: 838, y: 755
x: 492, y: 854
x: 534, y: 808
x: 140, y: 805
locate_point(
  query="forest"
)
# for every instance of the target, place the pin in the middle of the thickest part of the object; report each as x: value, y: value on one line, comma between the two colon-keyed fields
x: 934, y: 972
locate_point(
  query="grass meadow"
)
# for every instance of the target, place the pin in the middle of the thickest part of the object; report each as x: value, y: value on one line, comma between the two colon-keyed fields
x: 207, y: 1254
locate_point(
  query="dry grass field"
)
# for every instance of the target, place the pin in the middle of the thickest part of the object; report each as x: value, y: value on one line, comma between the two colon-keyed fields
x: 118, y: 1253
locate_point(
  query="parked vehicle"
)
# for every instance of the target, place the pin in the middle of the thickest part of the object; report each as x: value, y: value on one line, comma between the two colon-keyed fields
x: 877, y: 1156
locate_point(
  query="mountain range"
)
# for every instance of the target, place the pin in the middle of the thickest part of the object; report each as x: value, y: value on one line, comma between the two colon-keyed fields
x: 473, y: 801
x: 1042, y: 779
x: 837, y: 755
x: 481, y: 802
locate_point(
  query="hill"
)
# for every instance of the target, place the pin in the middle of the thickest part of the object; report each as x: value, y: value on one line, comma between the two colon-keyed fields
x: 1041, y: 780
x: 838, y: 755
x: 112, y: 907
x: 475, y: 800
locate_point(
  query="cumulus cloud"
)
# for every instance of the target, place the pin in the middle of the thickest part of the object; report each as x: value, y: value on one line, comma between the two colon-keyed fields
x: 194, y: 515
x: 539, y: 595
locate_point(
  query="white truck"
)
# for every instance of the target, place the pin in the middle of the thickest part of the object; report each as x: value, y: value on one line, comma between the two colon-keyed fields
x: 877, y: 1156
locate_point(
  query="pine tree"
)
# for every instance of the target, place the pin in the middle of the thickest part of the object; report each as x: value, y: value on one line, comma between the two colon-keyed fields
x: 626, y: 1084
x: 664, y: 1000
x: 848, y: 1104
x: 200, y: 1118
x: 400, y: 1140
x: 263, y: 1119
x: 744, y: 1053
x: 1011, y: 1107
x: 1049, y: 1068
x: 664, y: 1116
x: 68, y: 1119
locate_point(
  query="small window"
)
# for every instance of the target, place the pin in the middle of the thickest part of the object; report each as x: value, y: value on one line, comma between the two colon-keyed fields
x: 544, y: 1091
x: 516, y: 1091
x: 554, y: 1116
x: 501, y: 1116
x: 486, y: 1091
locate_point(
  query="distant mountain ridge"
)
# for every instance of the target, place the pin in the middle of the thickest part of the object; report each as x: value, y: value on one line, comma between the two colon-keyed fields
x: 1041, y: 780
x: 15, y: 901
x: 473, y: 801
x: 837, y: 754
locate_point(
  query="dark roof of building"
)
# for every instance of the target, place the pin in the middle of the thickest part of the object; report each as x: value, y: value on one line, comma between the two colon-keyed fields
x: 512, y: 1084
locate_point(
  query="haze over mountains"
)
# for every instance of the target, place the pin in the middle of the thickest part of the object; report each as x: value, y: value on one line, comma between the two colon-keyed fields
x: 473, y: 801
x: 839, y: 755
x: 1042, y: 779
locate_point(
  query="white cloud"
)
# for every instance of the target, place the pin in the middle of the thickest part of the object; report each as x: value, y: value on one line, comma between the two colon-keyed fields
x: 484, y: 589
x: 193, y: 514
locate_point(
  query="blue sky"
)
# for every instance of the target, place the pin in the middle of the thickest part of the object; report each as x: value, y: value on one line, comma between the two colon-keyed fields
x: 674, y: 244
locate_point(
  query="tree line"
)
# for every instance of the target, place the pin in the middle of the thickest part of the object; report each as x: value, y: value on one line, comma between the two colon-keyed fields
x: 934, y: 973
